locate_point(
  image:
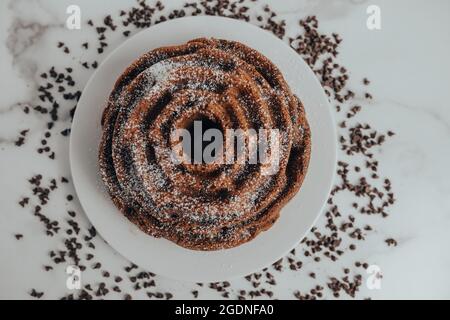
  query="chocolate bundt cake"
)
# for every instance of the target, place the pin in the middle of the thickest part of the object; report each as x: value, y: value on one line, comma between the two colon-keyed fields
x: 202, y: 206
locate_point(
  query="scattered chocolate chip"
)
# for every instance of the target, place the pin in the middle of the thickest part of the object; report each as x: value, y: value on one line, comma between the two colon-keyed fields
x: 66, y: 132
x: 391, y: 242
x: 36, y: 294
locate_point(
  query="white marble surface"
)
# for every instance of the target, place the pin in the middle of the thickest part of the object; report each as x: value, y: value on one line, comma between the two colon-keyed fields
x: 407, y: 62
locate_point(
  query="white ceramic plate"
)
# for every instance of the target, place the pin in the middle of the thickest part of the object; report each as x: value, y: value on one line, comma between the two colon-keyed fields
x: 164, y: 257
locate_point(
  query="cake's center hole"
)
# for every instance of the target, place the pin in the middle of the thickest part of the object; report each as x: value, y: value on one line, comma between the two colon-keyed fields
x: 205, y: 142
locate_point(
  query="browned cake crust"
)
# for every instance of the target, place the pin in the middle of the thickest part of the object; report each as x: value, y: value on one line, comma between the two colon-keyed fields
x: 201, y: 207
